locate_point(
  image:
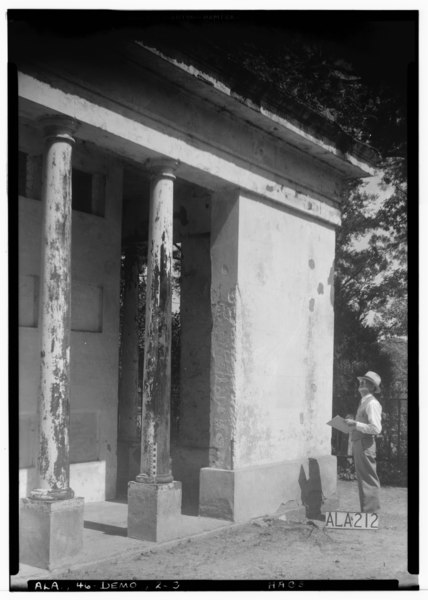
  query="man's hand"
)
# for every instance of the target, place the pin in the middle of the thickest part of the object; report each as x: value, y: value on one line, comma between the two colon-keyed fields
x: 351, y: 423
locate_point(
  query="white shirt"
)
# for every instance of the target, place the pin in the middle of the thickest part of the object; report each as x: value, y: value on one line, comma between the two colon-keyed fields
x: 373, y: 410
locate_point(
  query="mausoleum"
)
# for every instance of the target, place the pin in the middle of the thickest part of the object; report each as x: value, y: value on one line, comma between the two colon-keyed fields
x: 125, y: 151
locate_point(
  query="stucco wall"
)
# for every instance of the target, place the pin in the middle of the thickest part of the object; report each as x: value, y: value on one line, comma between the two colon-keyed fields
x: 94, y: 339
x: 285, y: 324
x: 272, y: 343
x: 224, y: 344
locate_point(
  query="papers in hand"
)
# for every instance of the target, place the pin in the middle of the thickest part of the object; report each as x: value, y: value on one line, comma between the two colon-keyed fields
x: 339, y: 423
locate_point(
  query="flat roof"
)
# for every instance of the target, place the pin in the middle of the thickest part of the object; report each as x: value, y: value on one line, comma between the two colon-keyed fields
x: 273, y: 111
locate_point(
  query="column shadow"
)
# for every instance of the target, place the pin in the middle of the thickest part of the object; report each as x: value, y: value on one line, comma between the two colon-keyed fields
x: 311, y: 490
x: 107, y: 529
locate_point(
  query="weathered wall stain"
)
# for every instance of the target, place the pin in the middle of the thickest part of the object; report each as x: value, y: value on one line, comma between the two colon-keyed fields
x: 278, y: 366
x: 330, y: 281
x: 223, y: 378
x: 255, y: 435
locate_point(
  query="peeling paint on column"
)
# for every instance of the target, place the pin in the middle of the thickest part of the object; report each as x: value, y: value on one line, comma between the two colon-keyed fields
x: 54, y: 406
x: 155, y: 446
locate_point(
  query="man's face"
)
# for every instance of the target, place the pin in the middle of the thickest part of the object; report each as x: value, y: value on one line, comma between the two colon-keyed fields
x: 364, y: 387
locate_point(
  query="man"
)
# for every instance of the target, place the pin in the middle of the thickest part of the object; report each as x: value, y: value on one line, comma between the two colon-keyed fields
x: 363, y: 431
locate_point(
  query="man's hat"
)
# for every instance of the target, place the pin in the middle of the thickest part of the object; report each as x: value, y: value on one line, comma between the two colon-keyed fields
x: 373, y: 378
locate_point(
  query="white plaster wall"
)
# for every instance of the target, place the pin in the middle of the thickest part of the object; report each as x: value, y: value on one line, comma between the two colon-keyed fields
x: 86, y: 480
x: 223, y: 376
x: 94, y: 355
x: 284, y: 335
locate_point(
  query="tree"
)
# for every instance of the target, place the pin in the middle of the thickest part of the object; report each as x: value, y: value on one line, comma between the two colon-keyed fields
x: 371, y: 261
x: 348, y: 69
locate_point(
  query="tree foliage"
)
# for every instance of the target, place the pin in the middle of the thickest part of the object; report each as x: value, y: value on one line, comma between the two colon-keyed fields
x: 371, y: 261
x: 341, y: 69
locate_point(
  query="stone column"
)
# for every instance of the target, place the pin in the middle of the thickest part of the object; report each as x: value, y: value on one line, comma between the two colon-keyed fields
x: 154, y: 500
x: 52, y: 521
x: 129, y: 441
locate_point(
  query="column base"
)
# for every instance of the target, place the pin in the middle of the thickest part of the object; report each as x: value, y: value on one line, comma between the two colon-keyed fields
x: 50, y: 533
x: 154, y: 510
x: 306, y: 487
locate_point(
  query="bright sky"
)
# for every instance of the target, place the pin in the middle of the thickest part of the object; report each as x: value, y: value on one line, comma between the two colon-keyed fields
x: 372, y: 185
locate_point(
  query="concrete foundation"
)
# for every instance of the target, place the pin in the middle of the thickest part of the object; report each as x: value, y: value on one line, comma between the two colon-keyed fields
x: 154, y: 510
x: 306, y: 487
x: 50, y: 533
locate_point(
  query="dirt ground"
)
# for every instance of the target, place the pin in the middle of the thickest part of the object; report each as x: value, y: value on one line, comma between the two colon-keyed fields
x: 275, y: 549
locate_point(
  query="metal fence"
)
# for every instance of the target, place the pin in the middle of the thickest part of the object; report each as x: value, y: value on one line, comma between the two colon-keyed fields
x: 391, y: 446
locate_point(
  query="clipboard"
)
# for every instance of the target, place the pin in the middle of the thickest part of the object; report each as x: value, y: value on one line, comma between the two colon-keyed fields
x: 339, y: 423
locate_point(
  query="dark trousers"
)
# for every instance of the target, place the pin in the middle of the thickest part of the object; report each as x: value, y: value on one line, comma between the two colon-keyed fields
x: 364, y: 452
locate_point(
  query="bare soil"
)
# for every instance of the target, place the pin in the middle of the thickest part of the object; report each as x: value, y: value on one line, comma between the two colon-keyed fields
x: 271, y: 548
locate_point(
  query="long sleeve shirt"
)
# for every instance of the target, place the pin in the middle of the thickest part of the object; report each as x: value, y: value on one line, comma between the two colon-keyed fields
x: 369, y: 416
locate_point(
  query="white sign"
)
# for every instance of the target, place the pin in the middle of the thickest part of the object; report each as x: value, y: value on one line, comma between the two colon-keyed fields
x: 351, y: 520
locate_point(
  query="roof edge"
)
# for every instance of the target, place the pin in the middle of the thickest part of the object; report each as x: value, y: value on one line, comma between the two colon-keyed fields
x: 293, y: 116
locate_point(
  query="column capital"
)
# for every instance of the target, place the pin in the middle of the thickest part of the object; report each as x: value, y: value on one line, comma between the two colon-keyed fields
x: 58, y: 126
x: 163, y: 168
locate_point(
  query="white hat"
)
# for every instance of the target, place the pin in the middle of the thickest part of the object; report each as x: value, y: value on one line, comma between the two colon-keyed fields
x: 373, y: 378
